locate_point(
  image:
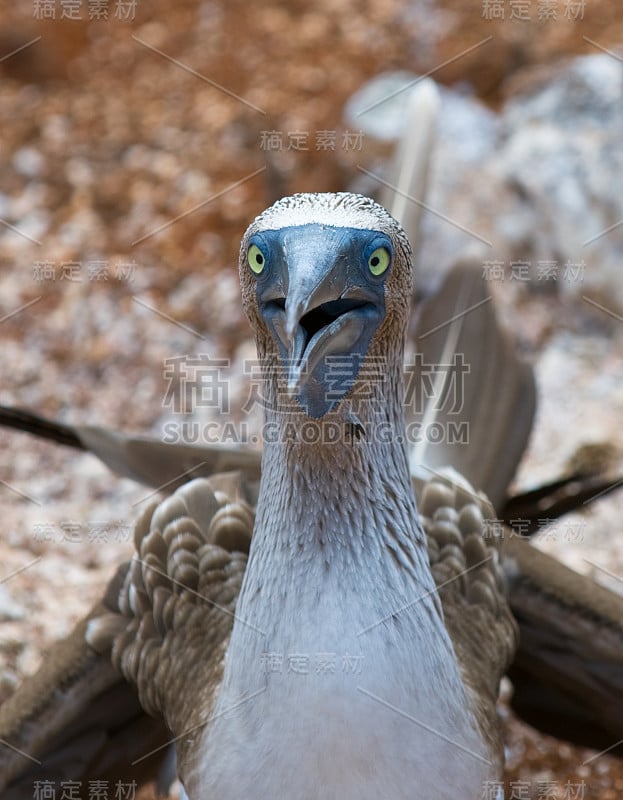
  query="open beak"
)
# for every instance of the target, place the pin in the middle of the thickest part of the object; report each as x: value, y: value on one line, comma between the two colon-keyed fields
x: 316, y: 328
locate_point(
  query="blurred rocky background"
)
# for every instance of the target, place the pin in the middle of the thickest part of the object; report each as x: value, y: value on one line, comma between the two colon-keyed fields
x: 139, y: 139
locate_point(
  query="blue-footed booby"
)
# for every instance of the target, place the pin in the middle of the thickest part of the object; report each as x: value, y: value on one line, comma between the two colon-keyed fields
x: 319, y: 636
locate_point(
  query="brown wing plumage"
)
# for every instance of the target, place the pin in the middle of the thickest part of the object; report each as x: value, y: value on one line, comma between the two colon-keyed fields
x: 76, y: 718
x: 82, y: 716
x: 177, y: 601
x: 144, y: 459
x: 464, y: 552
x: 568, y: 672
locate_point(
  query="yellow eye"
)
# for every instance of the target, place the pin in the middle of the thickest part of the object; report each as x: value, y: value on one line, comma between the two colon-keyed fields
x: 379, y: 261
x: 256, y: 259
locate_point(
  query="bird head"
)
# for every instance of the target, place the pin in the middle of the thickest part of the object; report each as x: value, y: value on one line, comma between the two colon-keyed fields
x: 326, y: 281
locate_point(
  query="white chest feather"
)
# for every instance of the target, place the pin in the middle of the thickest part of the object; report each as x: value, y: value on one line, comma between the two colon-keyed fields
x: 330, y: 696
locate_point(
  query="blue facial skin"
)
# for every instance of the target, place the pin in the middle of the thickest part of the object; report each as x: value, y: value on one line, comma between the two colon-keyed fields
x: 322, y: 304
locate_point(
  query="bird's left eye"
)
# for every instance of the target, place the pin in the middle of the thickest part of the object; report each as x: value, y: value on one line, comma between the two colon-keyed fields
x: 379, y: 261
x: 256, y: 259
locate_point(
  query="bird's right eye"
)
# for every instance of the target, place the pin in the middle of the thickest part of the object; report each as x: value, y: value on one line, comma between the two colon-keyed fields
x: 256, y: 259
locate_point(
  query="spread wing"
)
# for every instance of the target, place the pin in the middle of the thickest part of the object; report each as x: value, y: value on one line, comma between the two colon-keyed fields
x: 76, y: 717
x: 82, y: 716
x: 168, y: 630
x: 144, y: 459
x: 568, y: 671
x: 482, y: 395
x: 464, y: 553
x: 568, y: 668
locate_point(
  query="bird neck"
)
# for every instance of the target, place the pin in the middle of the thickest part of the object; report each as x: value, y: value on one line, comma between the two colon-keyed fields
x: 336, y: 494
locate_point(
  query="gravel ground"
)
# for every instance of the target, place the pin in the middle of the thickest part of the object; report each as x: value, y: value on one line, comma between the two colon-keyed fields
x: 134, y: 153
